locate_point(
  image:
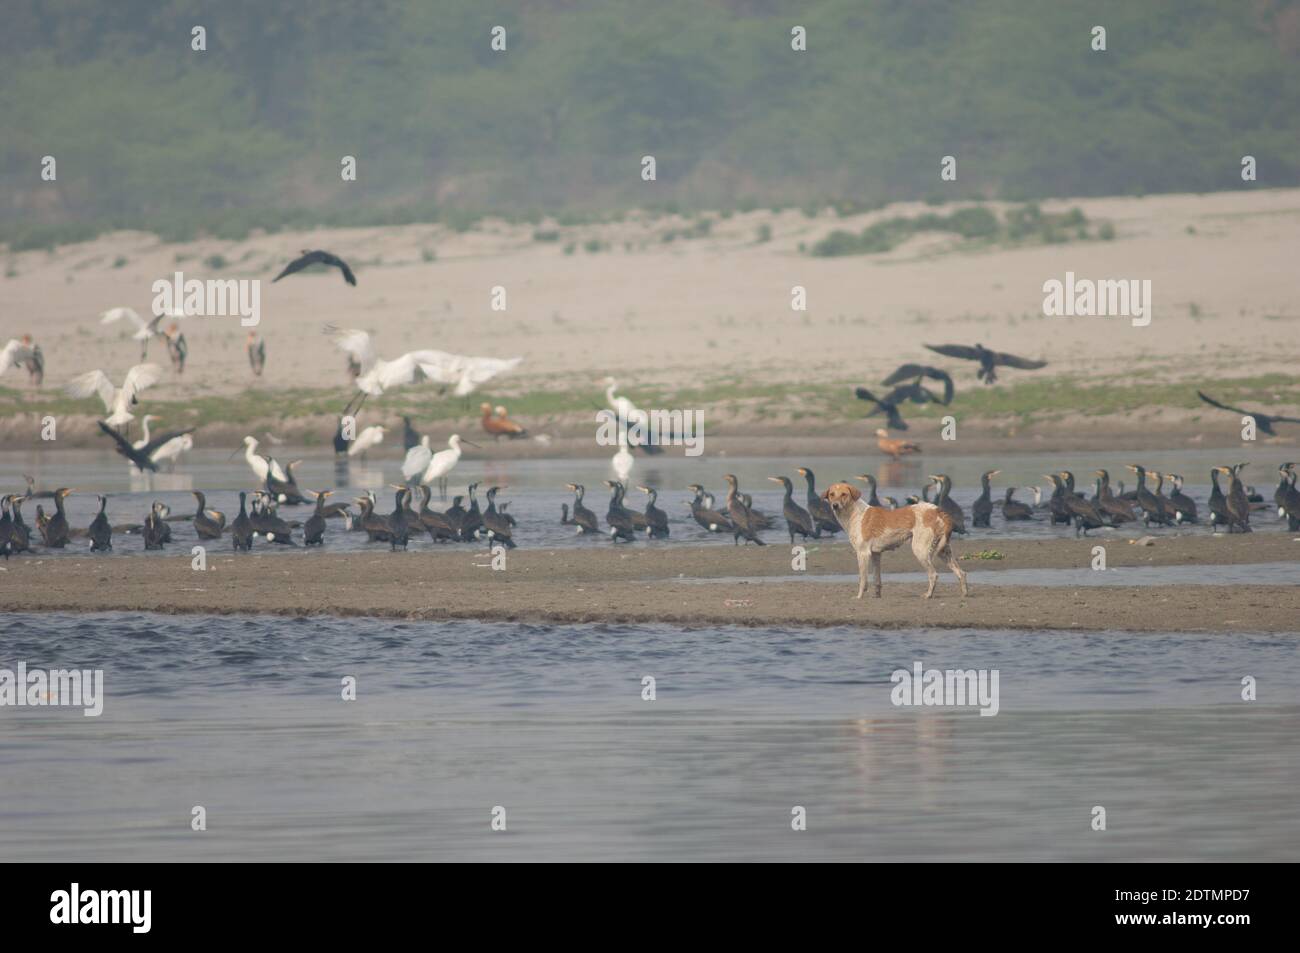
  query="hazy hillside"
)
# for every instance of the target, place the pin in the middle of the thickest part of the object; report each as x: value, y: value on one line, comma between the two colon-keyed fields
x: 148, y: 132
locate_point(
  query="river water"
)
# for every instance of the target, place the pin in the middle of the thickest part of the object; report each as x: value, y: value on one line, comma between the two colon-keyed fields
x: 244, y: 716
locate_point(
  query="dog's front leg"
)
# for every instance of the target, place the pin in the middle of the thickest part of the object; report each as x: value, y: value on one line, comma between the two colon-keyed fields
x: 864, y: 566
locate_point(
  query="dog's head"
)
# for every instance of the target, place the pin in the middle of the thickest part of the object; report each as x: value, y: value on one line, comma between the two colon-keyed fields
x: 841, y: 496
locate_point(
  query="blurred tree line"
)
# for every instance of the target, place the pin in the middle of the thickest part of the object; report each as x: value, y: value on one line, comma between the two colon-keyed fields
x: 145, y: 130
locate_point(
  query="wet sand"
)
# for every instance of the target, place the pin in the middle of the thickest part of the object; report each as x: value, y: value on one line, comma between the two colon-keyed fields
x: 639, y: 583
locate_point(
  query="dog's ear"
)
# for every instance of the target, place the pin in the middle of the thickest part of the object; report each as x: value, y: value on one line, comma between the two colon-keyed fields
x: 854, y: 492
x: 826, y: 494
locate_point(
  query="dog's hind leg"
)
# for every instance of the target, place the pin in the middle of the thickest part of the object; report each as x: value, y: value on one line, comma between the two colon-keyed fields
x: 923, y: 548
x: 873, y: 560
x: 957, y: 571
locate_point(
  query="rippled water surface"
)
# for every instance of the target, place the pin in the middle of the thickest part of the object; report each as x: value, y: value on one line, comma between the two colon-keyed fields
x: 243, y: 716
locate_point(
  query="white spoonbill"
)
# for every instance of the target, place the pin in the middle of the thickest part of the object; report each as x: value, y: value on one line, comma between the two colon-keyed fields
x: 120, y: 401
x: 378, y: 375
x: 370, y: 437
x: 436, y: 466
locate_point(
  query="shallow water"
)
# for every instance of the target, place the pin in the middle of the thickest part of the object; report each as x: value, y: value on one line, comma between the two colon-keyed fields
x: 535, y: 489
x: 1255, y: 574
x: 244, y: 717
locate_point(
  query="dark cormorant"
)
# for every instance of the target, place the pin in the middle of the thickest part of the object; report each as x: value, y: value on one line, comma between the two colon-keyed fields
x: 241, y: 529
x: 1237, y: 504
x: 399, y: 529
x: 101, y: 531
x: 473, y: 519
x: 498, y: 525
x: 1111, y: 505
x: 655, y: 518
x: 870, y: 481
x: 410, y: 438
x: 439, y: 526
x: 1085, y: 514
x: 742, y: 520
x: 340, y: 442
x: 313, y: 531
x: 1183, y: 506
x: 317, y: 257
x: 208, y: 524
x: 285, y: 491
x: 1263, y: 422
x: 583, y: 518
x: 455, y: 515
x: 946, y: 503
x: 982, y: 509
x: 55, y: 529
x: 618, y: 516
x: 1289, y: 504
x: 1013, y: 510
x: 797, y: 519
x: 704, y: 514
x: 1152, y: 509
x: 822, y: 514
x: 989, y: 360
x: 156, y: 531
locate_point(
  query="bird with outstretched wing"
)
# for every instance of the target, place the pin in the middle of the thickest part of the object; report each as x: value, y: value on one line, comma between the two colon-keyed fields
x: 989, y: 360
x: 1264, y: 422
x: 317, y: 257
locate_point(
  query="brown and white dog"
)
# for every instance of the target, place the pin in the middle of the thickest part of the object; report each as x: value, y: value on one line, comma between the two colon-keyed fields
x: 873, y: 530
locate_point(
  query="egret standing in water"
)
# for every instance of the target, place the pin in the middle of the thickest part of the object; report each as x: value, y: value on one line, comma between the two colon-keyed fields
x: 261, y: 465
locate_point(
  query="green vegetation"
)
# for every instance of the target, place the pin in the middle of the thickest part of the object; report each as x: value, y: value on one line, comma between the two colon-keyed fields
x: 724, y: 398
x: 250, y: 133
x: 1023, y: 225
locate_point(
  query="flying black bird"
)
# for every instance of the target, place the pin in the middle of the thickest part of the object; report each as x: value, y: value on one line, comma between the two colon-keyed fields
x: 887, y: 404
x: 919, y: 394
x: 989, y: 360
x: 140, y: 457
x: 1264, y: 422
x: 317, y: 257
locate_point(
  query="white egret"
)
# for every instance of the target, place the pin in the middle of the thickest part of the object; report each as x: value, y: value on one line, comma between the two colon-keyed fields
x: 144, y: 330
x: 172, y: 449
x: 262, y: 465
x: 370, y: 437
x: 120, y: 401
x: 622, y: 462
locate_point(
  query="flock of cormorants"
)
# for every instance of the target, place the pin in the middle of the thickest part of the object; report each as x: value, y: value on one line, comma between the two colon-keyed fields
x: 1230, y: 507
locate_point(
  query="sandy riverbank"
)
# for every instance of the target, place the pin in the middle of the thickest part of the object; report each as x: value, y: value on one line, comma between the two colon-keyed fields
x: 642, y: 584
x: 710, y: 315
